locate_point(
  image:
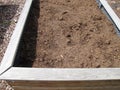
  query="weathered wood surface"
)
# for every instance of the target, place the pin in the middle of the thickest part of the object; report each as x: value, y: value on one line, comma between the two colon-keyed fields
x: 78, y: 88
x: 65, y: 85
x: 110, y: 11
x: 61, y: 74
x: 11, y: 50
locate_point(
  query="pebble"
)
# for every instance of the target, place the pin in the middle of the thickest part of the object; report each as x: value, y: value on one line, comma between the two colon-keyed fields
x: 118, y: 8
x: 61, y: 56
x: 113, y: 2
x: 15, y: 20
x: 61, y: 18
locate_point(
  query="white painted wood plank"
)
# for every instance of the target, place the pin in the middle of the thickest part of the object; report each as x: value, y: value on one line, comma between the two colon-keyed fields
x: 10, y: 53
x: 111, y: 12
x: 52, y: 74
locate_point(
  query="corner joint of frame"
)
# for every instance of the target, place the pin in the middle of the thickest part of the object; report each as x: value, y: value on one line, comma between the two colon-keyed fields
x: 2, y: 71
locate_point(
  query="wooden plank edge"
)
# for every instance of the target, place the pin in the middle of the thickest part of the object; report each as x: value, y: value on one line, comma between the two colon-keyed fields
x: 66, y: 88
x: 110, y: 11
x: 10, y: 53
x: 61, y: 74
x: 91, y: 83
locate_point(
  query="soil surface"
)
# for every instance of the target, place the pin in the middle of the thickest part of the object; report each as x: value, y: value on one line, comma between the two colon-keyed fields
x: 69, y: 34
x: 115, y: 4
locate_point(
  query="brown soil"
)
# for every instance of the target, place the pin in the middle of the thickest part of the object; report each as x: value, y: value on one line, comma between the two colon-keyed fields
x: 115, y: 4
x: 70, y: 34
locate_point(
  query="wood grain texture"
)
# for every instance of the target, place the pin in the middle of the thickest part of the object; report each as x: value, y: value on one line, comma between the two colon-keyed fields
x: 65, y: 85
x: 64, y: 88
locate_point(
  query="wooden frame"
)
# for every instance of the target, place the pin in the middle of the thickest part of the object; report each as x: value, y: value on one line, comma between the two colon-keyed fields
x: 61, y: 74
x: 10, y: 53
x: 106, y: 8
x: 94, y: 75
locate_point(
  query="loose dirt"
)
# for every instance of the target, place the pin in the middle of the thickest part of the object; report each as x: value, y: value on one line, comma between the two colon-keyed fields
x: 69, y: 34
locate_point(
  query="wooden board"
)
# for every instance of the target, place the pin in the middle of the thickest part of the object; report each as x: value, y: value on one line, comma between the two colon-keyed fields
x: 65, y: 85
x: 10, y: 53
x: 77, y: 88
x: 61, y: 74
x: 110, y: 12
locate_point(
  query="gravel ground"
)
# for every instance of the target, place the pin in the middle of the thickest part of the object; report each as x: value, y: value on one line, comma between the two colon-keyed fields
x: 9, y: 14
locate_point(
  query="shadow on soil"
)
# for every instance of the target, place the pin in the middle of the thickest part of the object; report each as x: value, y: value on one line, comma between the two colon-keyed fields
x: 7, y: 12
x: 27, y: 49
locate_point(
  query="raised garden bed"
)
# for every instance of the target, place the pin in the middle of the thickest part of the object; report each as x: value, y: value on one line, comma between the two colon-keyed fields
x: 66, y: 43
